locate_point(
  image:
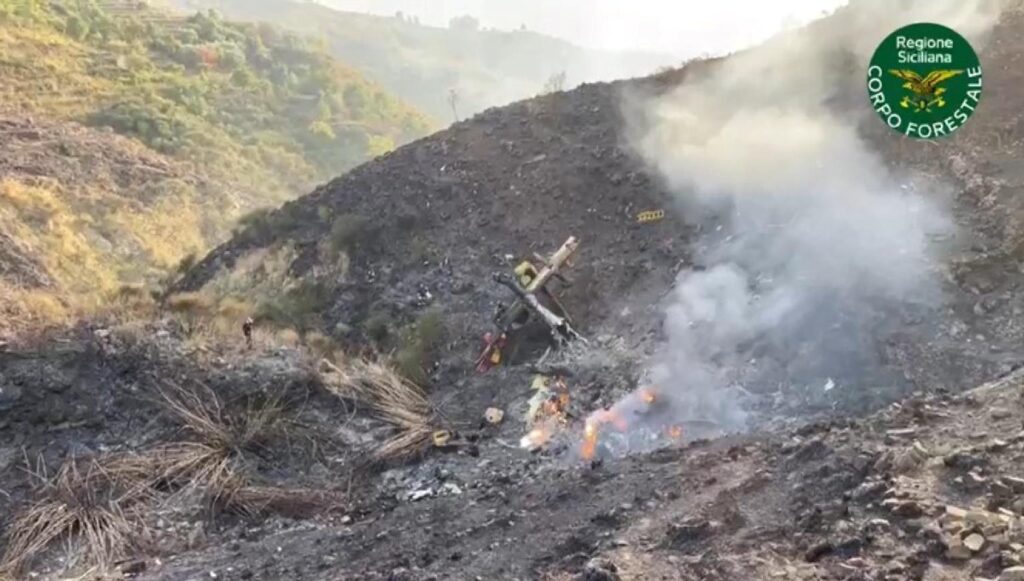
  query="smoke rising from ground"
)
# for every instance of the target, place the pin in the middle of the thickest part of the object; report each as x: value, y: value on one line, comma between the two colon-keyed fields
x: 810, y: 245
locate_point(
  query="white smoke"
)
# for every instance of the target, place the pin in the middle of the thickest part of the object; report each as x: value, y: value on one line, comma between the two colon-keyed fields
x: 810, y: 242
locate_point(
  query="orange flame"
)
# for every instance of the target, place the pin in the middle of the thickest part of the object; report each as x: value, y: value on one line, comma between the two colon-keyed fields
x: 551, y: 407
x: 536, y: 438
x: 552, y: 415
x: 648, y: 395
x: 589, y: 447
x: 675, y: 432
x: 612, y: 417
x: 592, y: 429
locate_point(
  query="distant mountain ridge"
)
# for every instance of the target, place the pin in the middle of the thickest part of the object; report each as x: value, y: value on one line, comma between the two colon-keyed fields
x: 423, y: 64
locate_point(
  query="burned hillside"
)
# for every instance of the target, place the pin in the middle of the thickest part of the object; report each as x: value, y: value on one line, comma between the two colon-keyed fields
x: 422, y: 229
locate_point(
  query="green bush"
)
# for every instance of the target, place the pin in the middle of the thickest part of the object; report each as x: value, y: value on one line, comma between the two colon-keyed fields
x: 377, y: 327
x: 255, y: 224
x: 409, y: 362
x: 421, y: 341
x: 346, y: 232
x: 186, y: 263
x: 158, y: 129
x: 299, y: 307
x: 419, y: 249
x: 430, y: 329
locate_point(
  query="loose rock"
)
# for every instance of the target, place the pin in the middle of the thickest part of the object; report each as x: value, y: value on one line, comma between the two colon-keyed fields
x: 974, y: 542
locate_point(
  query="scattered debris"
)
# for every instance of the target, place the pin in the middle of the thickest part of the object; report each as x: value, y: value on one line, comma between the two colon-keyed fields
x: 441, y: 438
x: 494, y: 416
x: 421, y: 494
x: 533, y: 298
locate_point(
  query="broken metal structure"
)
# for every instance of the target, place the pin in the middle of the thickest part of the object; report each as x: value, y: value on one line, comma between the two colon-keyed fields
x: 534, y: 300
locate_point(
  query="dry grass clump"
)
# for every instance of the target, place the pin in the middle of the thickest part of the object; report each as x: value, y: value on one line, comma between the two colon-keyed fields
x: 191, y: 308
x: 260, y: 275
x: 22, y: 310
x: 321, y: 345
x: 295, y: 502
x: 190, y: 302
x: 289, y: 338
x: 234, y: 310
x: 100, y: 505
x: 223, y: 438
x: 393, y: 398
x: 94, y: 505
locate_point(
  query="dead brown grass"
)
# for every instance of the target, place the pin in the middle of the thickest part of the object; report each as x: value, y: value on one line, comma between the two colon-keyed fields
x: 100, y: 505
x: 393, y: 398
x: 192, y: 310
x: 319, y: 344
x: 294, y: 502
x: 179, y: 466
x: 23, y: 311
x: 211, y: 463
x: 94, y: 505
x: 202, y: 413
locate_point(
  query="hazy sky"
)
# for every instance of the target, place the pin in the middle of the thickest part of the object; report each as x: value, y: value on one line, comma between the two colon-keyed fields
x: 681, y: 27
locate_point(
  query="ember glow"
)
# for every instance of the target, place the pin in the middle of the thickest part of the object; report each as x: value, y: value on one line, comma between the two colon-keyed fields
x: 555, y: 406
x: 636, y: 420
x: 592, y: 429
x: 590, y: 433
x: 647, y: 395
x: 537, y: 438
x: 639, y: 418
x: 551, y: 417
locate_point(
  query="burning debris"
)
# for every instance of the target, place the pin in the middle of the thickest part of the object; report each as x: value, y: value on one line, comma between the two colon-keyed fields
x: 536, y: 439
x: 548, y: 411
x: 674, y: 433
x: 648, y: 395
x: 643, y: 420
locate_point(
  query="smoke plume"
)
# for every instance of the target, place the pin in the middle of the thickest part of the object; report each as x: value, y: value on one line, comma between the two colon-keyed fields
x: 810, y: 245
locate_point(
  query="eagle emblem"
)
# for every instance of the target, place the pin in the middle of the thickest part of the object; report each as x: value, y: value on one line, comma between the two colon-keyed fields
x: 925, y: 92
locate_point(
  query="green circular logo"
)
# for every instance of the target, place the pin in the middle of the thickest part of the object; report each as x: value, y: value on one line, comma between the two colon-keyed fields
x: 924, y: 80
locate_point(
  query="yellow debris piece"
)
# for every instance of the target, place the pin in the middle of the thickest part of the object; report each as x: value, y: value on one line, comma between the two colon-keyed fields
x: 442, y: 438
x: 540, y: 382
x: 650, y: 216
x: 525, y: 272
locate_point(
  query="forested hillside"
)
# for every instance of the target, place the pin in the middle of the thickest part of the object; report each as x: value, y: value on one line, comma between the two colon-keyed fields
x: 424, y: 64
x: 213, y: 120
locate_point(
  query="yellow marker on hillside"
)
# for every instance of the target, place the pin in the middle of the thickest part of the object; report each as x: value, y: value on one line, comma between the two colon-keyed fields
x: 650, y: 216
